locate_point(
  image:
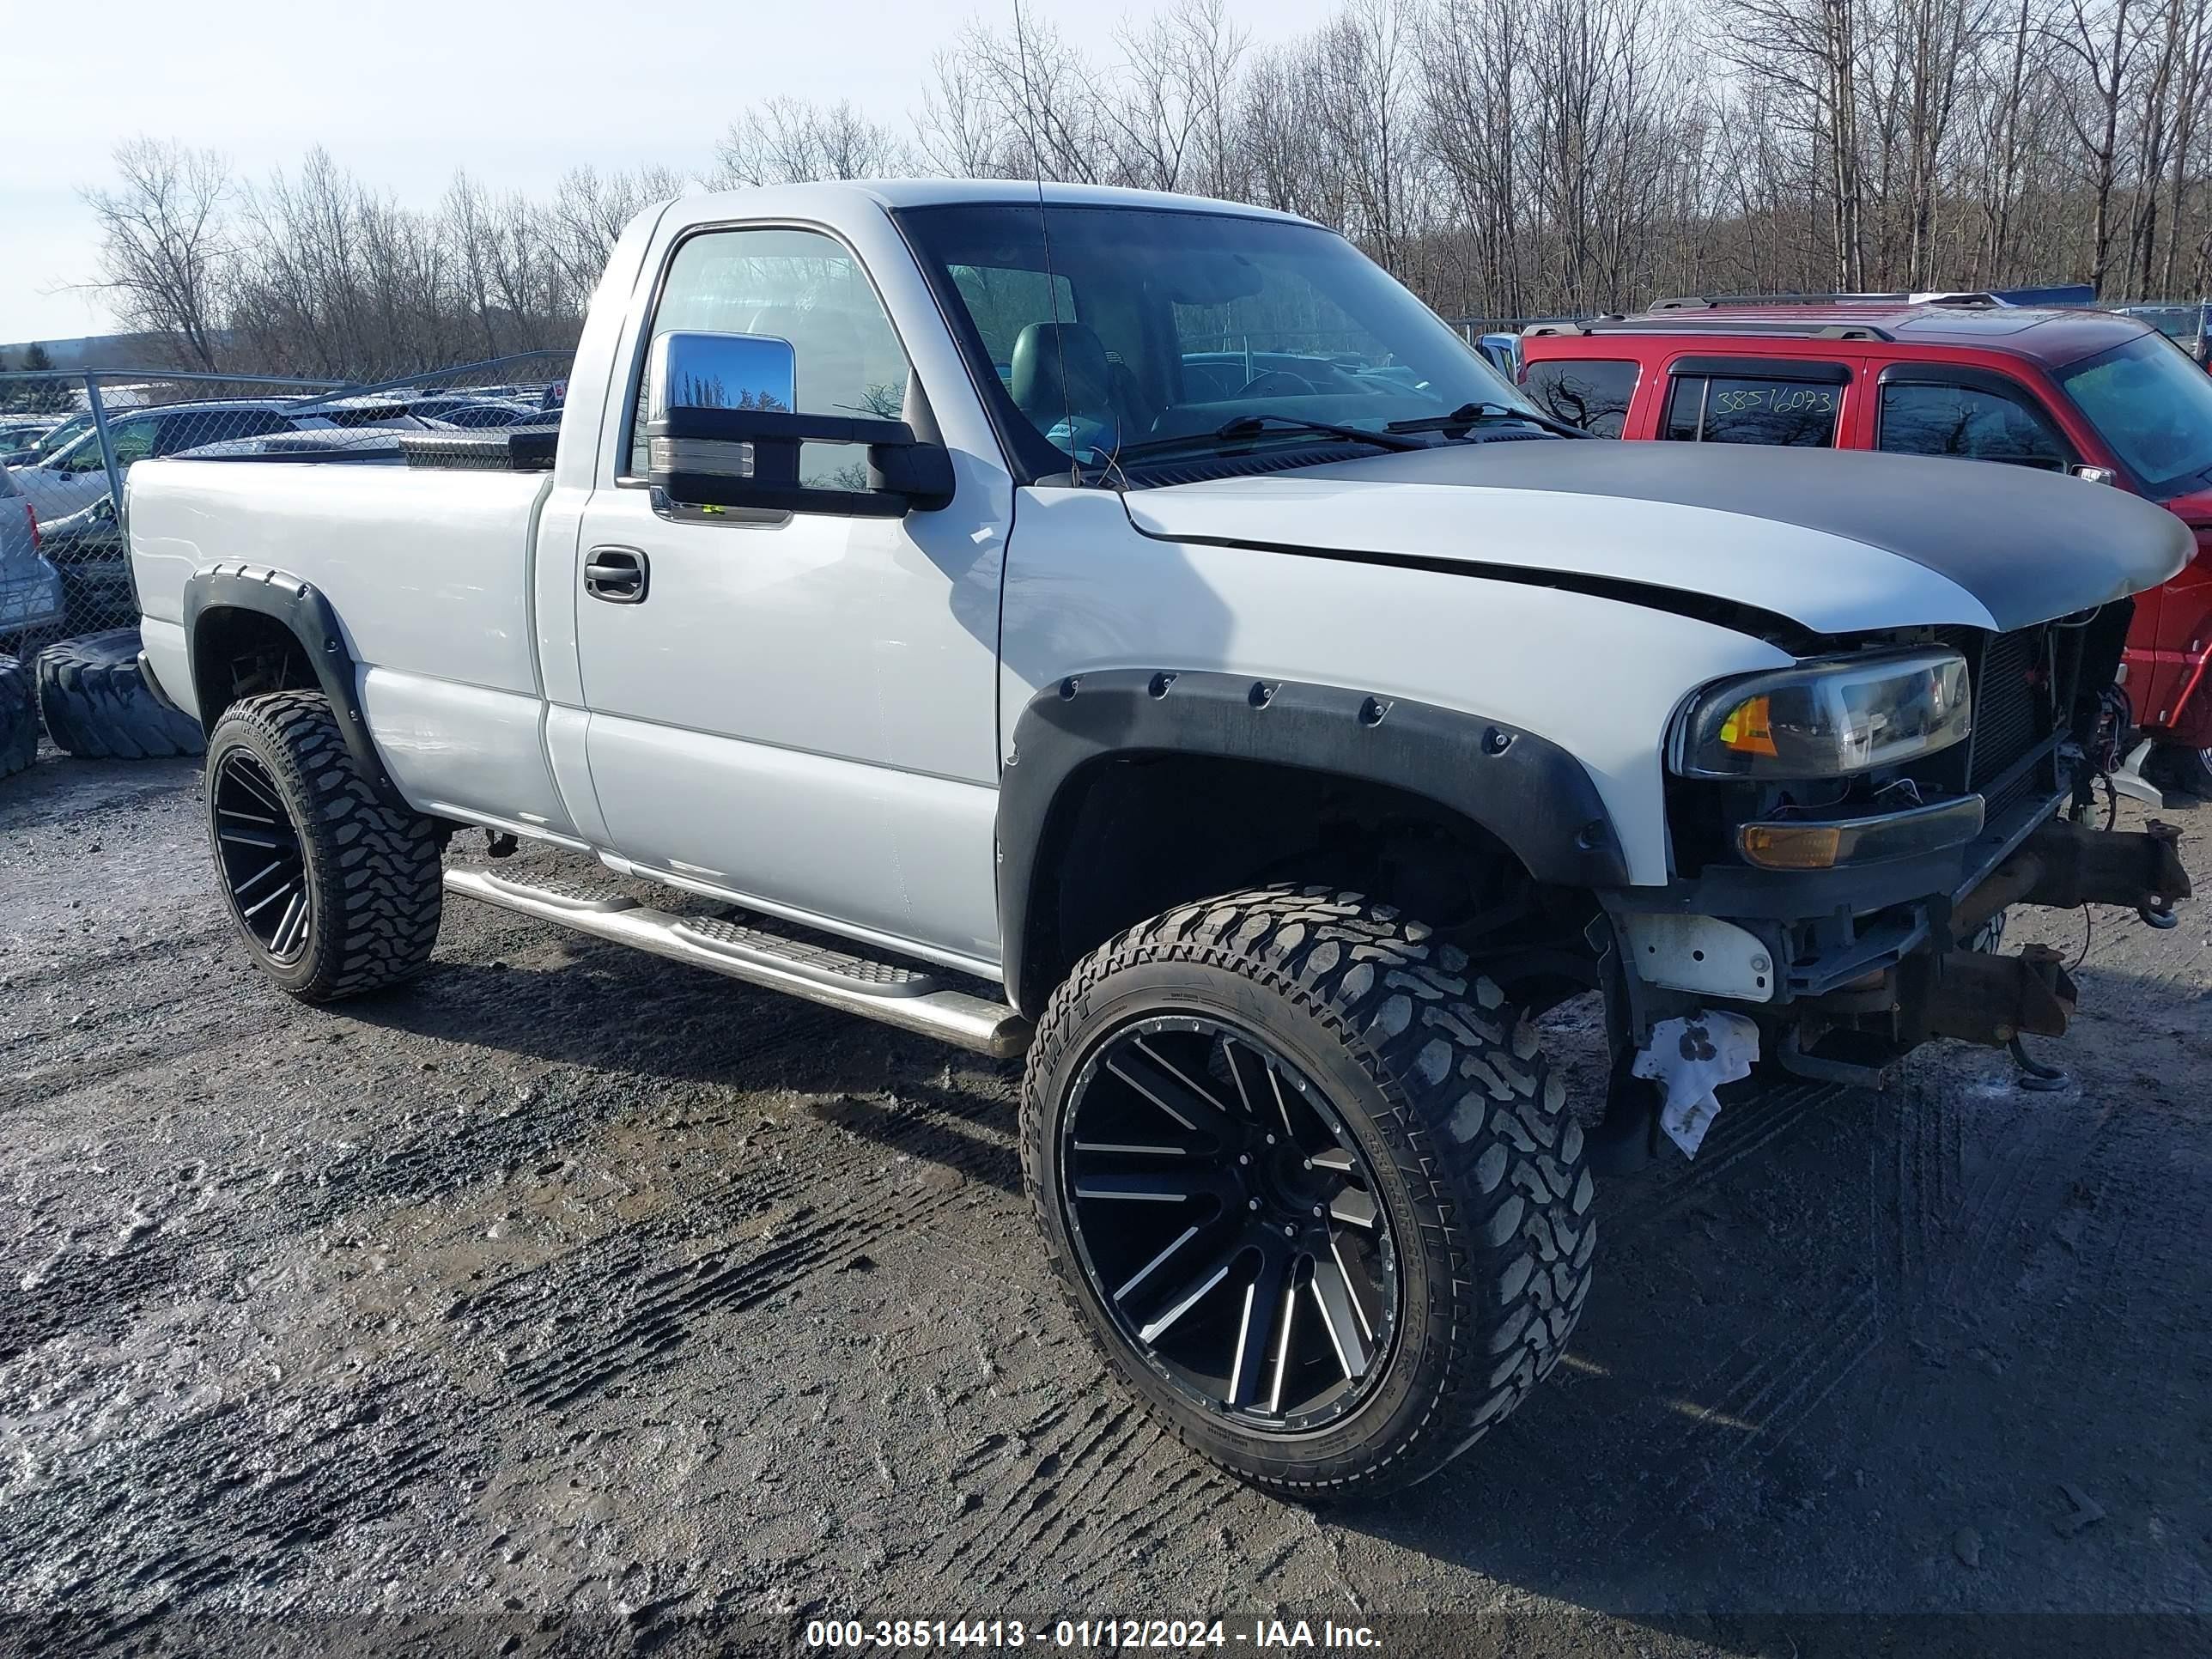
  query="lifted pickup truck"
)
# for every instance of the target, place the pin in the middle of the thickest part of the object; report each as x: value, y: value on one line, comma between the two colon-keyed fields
x: 910, y: 597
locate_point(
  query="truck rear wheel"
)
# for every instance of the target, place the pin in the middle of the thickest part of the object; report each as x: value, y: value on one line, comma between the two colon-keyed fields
x: 335, y: 889
x: 1311, y: 1184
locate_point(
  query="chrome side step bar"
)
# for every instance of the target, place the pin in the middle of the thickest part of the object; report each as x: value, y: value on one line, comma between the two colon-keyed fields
x: 764, y: 953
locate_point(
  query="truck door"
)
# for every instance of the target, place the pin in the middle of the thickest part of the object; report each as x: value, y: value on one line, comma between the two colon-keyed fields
x: 798, y: 709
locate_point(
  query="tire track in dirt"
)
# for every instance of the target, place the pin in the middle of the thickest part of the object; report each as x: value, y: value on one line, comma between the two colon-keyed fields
x: 2034, y: 1162
x: 620, y: 1315
x: 1743, y: 1130
x: 1750, y: 1404
x: 220, y: 1504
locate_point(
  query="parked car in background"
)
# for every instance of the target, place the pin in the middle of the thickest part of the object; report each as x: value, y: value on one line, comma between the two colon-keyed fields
x: 20, y: 435
x: 1503, y: 352
x: 86, y: 550
x: 482, y: 416
x: 2101, y: 395
x: 75, y: 474
x: 41, y: 442
x: 30, y: 587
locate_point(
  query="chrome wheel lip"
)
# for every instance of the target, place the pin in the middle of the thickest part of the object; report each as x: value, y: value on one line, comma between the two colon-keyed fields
x: 1380, y: 1331
x: 260, y: 857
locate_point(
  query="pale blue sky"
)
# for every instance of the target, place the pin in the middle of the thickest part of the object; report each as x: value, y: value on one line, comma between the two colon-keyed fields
x: 403, y: 92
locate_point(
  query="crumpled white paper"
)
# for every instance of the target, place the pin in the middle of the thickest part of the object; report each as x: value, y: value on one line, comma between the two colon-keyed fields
x: 1690, y: 1058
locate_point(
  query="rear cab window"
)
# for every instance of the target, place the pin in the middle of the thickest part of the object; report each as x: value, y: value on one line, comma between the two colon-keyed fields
x: 1591, y: 394
x: 1778, y: 401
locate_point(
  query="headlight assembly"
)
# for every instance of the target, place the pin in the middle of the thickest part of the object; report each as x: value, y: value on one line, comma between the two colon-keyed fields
x: 1824, y: 719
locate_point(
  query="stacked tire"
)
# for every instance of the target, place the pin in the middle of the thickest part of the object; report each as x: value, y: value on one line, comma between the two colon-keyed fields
x: 19, y: 717
x: 94, y: 700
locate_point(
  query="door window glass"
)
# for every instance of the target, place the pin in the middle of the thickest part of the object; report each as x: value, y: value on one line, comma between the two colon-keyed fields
x: 805, y: 287
x: 190, y: 428
x: 1970, y: 421
x: 133, y: 440
x: 1590, y: 395
x: 1722, y: 408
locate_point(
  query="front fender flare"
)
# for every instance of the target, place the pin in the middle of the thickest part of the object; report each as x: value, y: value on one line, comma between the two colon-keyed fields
x: 303, y: 611
x: 1534, y: 796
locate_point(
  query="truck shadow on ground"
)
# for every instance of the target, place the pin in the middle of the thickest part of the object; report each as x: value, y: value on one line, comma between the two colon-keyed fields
x: 1934, y: 1319
x: 1928, y: 1317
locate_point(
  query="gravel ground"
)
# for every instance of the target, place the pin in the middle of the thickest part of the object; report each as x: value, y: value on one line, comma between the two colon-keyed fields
x: 567, y: 1300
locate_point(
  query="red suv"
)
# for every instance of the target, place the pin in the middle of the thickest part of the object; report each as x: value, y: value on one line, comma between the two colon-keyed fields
x: 2105, y: 397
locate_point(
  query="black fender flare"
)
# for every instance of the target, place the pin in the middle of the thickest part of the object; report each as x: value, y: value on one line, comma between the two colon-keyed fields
x: 1534, y: 796
x: 304, y: 611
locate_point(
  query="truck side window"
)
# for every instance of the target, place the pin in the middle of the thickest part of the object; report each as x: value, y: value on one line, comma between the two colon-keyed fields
x: 1968, y: 421
x: 805, y: 287
x: 1593, y: 396
x: 1715, y: 409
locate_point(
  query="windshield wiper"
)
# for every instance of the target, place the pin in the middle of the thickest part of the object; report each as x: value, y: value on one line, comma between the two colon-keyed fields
x: 1470, y: 415
x: 1255, y: 426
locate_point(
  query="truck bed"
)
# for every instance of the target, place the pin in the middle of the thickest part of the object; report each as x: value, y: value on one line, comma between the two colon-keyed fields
x: 429, y: 569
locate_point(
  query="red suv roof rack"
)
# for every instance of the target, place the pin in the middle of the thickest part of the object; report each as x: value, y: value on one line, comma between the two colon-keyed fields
x: 1713, y: 301
x: 1717, y: 325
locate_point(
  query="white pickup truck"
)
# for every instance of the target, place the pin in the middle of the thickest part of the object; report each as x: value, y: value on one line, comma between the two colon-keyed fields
x: 1134, y: 630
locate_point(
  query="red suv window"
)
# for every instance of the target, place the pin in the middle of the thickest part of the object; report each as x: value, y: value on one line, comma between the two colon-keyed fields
x: 1592, y: 395
x: 1741, y: 409
x: 1978, y: 422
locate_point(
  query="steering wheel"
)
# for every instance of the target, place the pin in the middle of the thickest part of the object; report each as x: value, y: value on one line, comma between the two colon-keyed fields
x: 1262, y: 385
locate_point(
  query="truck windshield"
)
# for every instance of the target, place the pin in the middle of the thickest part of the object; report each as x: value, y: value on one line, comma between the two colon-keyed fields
x: 1098, y: 328
x: 2153, y: 406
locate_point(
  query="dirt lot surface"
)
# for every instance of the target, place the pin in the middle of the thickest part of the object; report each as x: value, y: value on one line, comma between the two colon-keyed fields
x: 567, y: 1300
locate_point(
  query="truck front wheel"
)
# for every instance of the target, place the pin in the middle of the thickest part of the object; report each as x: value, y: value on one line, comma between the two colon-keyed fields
x: 336, y: 890
x: 1310, y: 1183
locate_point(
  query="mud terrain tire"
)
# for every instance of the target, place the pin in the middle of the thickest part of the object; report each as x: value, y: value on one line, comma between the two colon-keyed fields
x: 366, y: 870
x: 1450, y: 1100
x: 97, y: 704
x: 19, y: 719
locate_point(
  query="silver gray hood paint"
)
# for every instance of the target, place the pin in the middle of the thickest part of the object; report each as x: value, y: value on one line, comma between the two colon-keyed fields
x: 1838, y: 541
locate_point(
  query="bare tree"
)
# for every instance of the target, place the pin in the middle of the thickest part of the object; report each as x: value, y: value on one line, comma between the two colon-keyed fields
x: 164, y: 241
x: 786, y: 141
x: 1505, y: 157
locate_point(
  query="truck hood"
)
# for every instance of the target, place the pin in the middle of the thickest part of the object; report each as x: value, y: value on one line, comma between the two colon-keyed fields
x: 1837, y: 541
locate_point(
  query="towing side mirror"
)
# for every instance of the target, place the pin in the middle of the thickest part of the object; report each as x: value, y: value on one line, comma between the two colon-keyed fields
x: 722, y: 431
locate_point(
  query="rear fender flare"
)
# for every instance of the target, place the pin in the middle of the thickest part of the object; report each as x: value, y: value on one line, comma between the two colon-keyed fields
x: 304, y: 612
x: 1534, y: 796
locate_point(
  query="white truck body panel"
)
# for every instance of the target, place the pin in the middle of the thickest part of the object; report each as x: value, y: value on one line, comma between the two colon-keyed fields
x: 1086, y: 592
x: 1830, y: 583
x: 428, y: 572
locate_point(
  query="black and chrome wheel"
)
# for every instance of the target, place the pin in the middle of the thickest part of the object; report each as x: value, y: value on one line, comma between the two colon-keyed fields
x: 1311, y: 1184
x: 1226, y: 1218
x: 336, y: 889
x: 258, y: 853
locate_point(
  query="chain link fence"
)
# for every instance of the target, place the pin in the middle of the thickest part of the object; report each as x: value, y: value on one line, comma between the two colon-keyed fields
x: 68, y: 440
